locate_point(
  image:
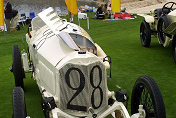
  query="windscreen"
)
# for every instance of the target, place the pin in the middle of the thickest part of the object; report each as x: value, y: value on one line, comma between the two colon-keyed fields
x: 83, y: 43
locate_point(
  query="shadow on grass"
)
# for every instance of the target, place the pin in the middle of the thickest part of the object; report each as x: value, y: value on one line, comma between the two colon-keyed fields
x: 32, y: 97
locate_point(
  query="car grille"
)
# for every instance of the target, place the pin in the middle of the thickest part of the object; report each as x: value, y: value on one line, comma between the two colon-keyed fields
x: 82, y: 87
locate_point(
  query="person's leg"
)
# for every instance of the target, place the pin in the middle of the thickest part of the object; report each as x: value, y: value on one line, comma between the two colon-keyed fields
x: 7, y: 22
x: 69, y: 13
x: 14, y: 22
x: 71, y: 16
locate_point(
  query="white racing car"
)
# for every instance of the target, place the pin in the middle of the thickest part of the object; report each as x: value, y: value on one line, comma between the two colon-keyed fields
x: 70, y: 71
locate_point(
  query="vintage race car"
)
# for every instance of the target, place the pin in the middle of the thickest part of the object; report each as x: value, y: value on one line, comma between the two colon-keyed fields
x: 161, y: 22
x: 70, y: 70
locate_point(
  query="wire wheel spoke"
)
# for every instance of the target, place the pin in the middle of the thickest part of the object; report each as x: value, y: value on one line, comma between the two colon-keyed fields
x: 146, y: 92
x: 146, y: 101
x: 144, y: 34
x: 163, y: 28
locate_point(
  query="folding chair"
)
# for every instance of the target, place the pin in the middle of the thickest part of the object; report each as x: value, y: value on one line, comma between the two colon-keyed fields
x: 31, y: 15
x: 22, y: 19
x: 83, y: 16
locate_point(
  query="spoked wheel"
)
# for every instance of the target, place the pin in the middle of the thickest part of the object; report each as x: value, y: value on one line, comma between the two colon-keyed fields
x: 19, y: 106
x: 17, y: 67
x: 147, y: 93
x: 174, y: 48
x: 145, y: 34
x: 163, y: 23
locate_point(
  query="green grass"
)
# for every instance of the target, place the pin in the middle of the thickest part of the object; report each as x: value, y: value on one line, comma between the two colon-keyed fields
x: 120, y: 40
x: 7, y: 41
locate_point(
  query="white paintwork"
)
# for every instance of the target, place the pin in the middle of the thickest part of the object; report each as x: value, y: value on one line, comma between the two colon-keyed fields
x: 52, y: 51
x: 142, y: 113
x: 135, y: 115
x: 102, y: 54
x: 49, y: 17
x: 25, y: 62
x: 148, y: 18
x: 172, y: 13
x: 116, y: 106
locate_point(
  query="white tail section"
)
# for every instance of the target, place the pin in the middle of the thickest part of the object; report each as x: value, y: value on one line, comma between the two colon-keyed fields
x: 50, y: 17
x: 53, y: 21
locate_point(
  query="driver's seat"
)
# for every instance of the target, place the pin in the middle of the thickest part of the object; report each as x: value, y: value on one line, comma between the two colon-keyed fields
x: 158, y: 12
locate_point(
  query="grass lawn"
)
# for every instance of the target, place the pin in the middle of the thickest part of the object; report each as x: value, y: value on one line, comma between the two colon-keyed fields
x: 120, y: 40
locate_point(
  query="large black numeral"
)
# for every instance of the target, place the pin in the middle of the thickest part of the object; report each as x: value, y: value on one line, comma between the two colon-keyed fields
x: 96, y: 87
x: 79, y: 89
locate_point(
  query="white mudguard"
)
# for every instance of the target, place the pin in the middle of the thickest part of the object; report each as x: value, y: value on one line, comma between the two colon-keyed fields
x: 148, y: 18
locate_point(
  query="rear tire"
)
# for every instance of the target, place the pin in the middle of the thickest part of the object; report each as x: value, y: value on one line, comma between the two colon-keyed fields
x: 17, y: 67
x: 19, y: 107
x: 145, y: 34
x: 147, y: 93
x: 163, y: 23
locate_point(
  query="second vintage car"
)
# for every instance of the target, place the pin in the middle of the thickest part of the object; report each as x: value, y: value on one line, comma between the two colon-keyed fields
x: 161, y: 23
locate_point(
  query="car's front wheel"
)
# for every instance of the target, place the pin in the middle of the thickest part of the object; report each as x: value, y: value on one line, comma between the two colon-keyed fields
x: 145, y: 34
x: 147, y: 93
x: 163, y: 23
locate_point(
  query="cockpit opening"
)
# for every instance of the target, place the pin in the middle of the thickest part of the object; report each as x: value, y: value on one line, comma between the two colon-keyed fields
x: 83, y: 43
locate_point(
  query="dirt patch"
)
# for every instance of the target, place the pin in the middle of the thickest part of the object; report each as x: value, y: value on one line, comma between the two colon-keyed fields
x: 139, y: 6
x: 142, y: 6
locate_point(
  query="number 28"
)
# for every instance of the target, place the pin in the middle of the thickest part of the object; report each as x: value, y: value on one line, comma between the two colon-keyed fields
x: 81, y: 87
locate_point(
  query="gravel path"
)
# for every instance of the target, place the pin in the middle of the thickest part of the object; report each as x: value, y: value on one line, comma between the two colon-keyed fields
x: 144, y: 6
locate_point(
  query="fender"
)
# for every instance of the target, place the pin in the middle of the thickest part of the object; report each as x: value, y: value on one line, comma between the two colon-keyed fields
x: 148, y: 18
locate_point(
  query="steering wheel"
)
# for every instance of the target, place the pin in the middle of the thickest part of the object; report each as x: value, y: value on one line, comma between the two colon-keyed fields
x: 168, y: 8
